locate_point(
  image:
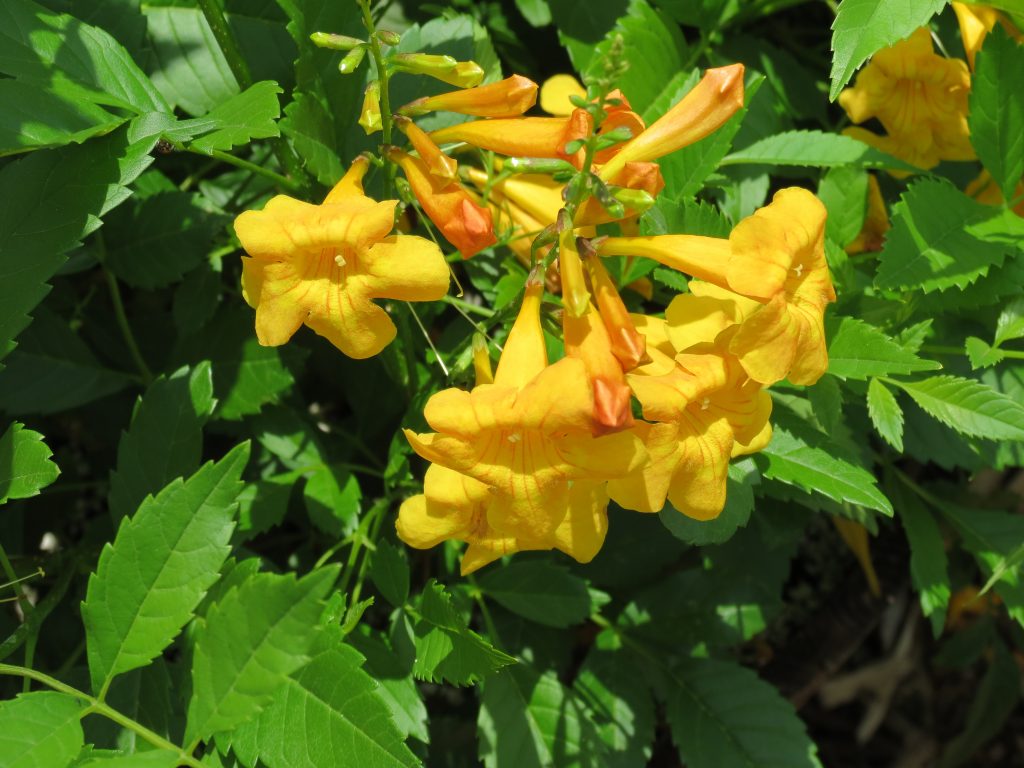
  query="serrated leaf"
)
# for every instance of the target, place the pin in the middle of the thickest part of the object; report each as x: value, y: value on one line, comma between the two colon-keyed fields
x: 52, y: 198
x: 253, y: 639
x: 330, y: 710
x: 792, y: 460
x: 246, y: 375
x: 621, y: 707
x: 844, y: 191
x: 162, y: 561
x: 164, y: 440
x: 739, y: 503
x: 37, y: 46
x: 539, y: 591
x: 996, y: 115
x: 528, y: 719
x: 157, y: 758
x: 308, y: 123
x: 333, y: 497
x: 35, y: 379
x: 814, y: 148
x: 250, y: 115
x: 968, y: 406
x: 1010, y: 324
x: 982, y: 354
x: 885, y: 413
x: 25, y: 464
x: 928, y: 246
x: 826, y: 399
x: 929, y: 569
x: 36, y: 116
x: 152, y: 242
x: 40, y: 730
x: 446, y: 649
x: 863, y: 27
x: 670, y: 278
x: 857, y: 350
x: 723, y: 714
x: 690, y: 217
x: 390, y: 573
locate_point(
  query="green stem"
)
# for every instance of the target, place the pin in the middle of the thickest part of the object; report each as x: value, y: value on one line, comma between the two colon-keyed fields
x: 468, y: 306
x: 360, y: 538
x: 377, y: 54
x: 126, y: 329
x: 228, y: 45
x: 238, y: 162
x: 103, y: 709
x: 373, y: 534
x: 485, y: 612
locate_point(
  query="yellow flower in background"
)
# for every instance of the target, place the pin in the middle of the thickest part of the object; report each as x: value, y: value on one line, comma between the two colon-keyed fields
x: 528, y: 436
x: 876, y: 223
x: 705, y: 411
x: 555, y: 93
x: 984, y: 189
x: 919, y: 97
x: 323, y: 266
x: 507, y: 98
x: 976, y: 21
x: 775, y: 262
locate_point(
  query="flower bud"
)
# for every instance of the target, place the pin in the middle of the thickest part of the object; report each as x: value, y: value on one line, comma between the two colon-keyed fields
x: 335, y: 42
x: 388, y: 37
x: 369, y: 117
x: 351, y: 60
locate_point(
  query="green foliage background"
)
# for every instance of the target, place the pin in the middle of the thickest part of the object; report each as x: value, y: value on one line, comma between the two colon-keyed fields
x: 199, y: 530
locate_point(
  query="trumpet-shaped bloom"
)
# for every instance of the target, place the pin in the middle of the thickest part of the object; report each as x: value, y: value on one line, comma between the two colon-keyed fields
x: 454, y: 506
x: 323, y: 265
x: 705, y: 411
x: 776, y: 257
x: 627, y: 343
x: 506, y: 98
x: 437, y: 162
x: 523, y: 136
x: 587, y: 339
x: 702, y: 111
x: 528, y: 436
x: 463, y: 222
x: 919, y: 97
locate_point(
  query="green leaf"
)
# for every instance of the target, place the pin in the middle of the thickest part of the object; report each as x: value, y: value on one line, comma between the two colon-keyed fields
x: 844, y: 191
x: 536, y: 12
x: 308, y: 123
x: 991, y: 706
x: 929, y: 247
x: 187, y: 64
x: 539, y: 591
x: 929, y: 569
x: 253, y: 639
x: 1010, y: 324
x: 981, y: 353
x: 40, y: 730
x: 814, y: 148
x: 332, y: 496
x: 857, y: 350
x: 1006, y: 563
x: 390, y: 573
x: 446, y: 649
x: 51, y: 354
x: 793, y: 460
x: 394, y: 674
x: 996, y: 115
x: 723, y: 714
x: 865, y: 26
x: 642, y: 29
x: 157, y: 758
x: 52, y: 199
x: 25, y: 464
x: 581, y: 27
x: 621, y: 707
x: 251, y: 114
x: 37, y: 116
x: 154, y: 241
x: 329, y: 709
x: 686, y: 169
x: 162, y: 561
x: 826, y: 399
x: 691, y: 217
x: 246, y: 375
x: 739, y: 503
x: 885, y: 413
x: 164, y: 440
x: 39, y: 47
x: 528, y: 719
x: 968, y: 406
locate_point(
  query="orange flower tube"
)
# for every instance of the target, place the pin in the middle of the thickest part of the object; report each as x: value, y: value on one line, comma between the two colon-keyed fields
x: 523, y: 136
x: 437, y: 161
x: 702, y: 111
x: 510, y: 97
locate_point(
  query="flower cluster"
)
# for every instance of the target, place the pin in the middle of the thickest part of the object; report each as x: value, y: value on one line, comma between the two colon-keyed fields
x: 529, y: 458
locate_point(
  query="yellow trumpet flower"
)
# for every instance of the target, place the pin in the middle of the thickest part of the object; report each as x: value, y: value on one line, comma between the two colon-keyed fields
x: 323, y: 265
x: 506, y: 98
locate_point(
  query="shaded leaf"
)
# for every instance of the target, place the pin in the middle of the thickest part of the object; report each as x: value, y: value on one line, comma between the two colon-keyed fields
x: 25, y: 464
x: 539, y: 591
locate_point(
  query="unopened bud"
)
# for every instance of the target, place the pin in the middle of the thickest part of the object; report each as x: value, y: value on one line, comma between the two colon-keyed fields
x: 335, y: 42
x: 351, y: 61
x: 537, y: 165
x: 636, y: 200
x: 369, y: 117
x: 574, y: 146
x: 388, y: 37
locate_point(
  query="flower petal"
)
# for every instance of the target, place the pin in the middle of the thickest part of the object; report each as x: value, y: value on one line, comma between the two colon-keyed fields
x: 405, y: 267
x: 581, y: 534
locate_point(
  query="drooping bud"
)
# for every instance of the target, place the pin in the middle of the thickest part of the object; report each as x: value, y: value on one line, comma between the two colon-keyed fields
x: 628, y: 344
x: 351, y: 60
x: 462, y: 74
x: 482, y: 361
x: 575, y: 295
x: 369, y: 117
x: 438, y: 162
